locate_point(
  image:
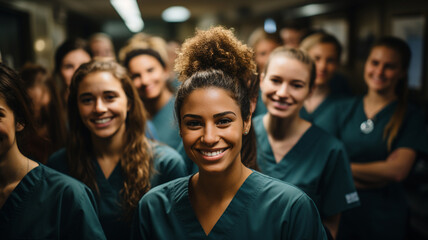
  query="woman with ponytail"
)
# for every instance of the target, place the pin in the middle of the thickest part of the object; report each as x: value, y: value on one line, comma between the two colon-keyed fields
x: 107, y: 148
x: 225, y: 199
x: 382, y: 134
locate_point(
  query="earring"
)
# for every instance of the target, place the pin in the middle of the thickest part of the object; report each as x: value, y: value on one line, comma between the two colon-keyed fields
x: 245, y: 133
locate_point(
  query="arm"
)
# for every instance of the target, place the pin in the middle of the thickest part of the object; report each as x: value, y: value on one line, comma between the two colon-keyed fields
x: 332, y: 224
x: 394, y: 169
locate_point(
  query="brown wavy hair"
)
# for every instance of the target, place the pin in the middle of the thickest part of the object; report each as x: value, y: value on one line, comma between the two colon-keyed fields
x: 216, y: 58
x: 136, y: 160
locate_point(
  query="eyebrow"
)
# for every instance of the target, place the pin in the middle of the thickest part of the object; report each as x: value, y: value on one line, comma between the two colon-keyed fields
x: 215, y: 115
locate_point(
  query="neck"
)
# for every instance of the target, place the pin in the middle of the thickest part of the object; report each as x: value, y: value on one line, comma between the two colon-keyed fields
x: 321, y: 90
x: 376, y: 97
x: 108, y: 148
x: 154, y: 105
x: 282, y: 128
x: 13, y: 166
x: 219, y: 186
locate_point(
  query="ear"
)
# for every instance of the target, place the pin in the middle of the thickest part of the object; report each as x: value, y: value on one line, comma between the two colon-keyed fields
x: 19, y: 127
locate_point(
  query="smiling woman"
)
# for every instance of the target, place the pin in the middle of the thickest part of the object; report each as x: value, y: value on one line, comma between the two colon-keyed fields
x: 225, y: 199
x: 108, y: 150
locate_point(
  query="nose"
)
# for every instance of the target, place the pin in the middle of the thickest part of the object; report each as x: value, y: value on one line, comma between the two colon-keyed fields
x: 210, y: 136
x: 100, y: 106
x: 283, y: 90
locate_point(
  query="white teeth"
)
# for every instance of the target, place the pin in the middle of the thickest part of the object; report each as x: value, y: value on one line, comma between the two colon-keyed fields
x: 101, y: 121
x: 212, y: 154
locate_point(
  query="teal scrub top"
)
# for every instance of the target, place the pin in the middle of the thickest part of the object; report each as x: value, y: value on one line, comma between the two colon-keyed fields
x: 263, y: 208
x: 383, y: 211
x: 260, y: 106
x: 49, y: 205
x: 168, y: 165
x: 317, y: 164
x: 166, y: 125
x: 321, y: 116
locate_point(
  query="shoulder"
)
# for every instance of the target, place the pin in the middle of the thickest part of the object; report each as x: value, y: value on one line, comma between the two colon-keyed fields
x: 277, y: 189
x: 164, y: 153
x: 328, y: 141
x: 166, y: 193
x: 58, y: 161
x: 63, y: 184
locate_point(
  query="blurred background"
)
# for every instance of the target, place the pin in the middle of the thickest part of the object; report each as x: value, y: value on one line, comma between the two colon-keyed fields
x: 31, y: 30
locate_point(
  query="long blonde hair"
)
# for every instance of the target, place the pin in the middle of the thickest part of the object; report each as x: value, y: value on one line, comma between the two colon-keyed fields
x: 136, y: 160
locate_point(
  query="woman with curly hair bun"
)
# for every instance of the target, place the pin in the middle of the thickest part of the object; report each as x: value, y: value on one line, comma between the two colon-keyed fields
x: 108, y: 150
x: 225, y: 199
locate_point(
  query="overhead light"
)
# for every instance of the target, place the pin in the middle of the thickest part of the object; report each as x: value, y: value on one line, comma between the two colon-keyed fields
x: 270, y: 25
x: 176, y: 14
x: 130, y: 13
x: 39, y: 45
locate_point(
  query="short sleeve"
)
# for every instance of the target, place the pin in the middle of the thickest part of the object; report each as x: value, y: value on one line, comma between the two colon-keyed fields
x: 413, y: 133
x: 339, y: 193
x: 169, y: 165
x: 305, y: 222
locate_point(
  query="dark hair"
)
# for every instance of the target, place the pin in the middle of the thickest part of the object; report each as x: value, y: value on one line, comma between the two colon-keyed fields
x: 136, y: 156
x: 50, y: 115
x: 68, y: 46
x: 16, y: 98
x: 401, y: 90
x: 215, y: 58
x: 146, y: 51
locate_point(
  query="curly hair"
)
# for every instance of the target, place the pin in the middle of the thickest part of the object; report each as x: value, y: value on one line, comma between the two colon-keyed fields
x: 136, y: 160
x: 216, y: 58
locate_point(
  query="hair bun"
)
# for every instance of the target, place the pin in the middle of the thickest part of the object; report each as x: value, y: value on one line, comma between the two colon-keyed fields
x: 216, y: 48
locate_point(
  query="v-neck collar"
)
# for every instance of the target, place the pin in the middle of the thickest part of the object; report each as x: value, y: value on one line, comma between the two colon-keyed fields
x: 231, y: 216
x: 380, y: 113
x: 320, y: 108
x: 114, y: 178
x: 300, y: 144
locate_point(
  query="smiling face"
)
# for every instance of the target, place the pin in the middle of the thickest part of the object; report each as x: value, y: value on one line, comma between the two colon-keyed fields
x: 8, y: 128
x: 148, y: 75
x: 383, y: 69
x: 71, y: 62
x: 285, y: 86
x: 212, y: 128
x: 326, y: 60
x: 102, y: 105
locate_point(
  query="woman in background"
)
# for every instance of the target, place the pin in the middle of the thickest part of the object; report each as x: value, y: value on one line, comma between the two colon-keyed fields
x: 68, y: 57
x: 225, y: 199
x: 325, y: 50
x: 108, y: 150
x: 36, y: 202
x: 293, y: 150
x: 49, y: 119
x: 382, y: 134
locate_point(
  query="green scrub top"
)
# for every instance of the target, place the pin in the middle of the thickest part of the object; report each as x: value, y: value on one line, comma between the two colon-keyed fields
x: 166, y: 125
x: 263, y: 208
x: 49, y: 205
x: 318, y: 164
x: 260, y: 106
x: 321, y: 116
x: 383, y: 211
x: 168, y: 165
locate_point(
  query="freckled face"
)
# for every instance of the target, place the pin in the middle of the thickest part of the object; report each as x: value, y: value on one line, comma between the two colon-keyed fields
x: 383, y: 69
x: 102, y: 104
x: 285, y: 86
x: 212, y: 129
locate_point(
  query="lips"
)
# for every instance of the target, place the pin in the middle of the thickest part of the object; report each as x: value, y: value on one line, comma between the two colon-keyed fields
x: 281, y: 105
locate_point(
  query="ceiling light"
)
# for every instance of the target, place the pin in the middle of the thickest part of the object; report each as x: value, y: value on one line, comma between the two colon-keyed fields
x: 130, y: 13
x: 270, y: 25
x: 176, y: 14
